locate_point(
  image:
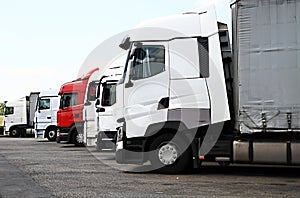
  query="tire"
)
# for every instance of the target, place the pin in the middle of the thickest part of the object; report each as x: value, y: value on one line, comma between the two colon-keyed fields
x: 167, y: 154
x: 77, y: 139
x: 51, y: 134
x: 14, y: 132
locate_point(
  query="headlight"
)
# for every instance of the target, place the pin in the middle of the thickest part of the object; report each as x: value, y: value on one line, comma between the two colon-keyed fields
x: 120, y: 134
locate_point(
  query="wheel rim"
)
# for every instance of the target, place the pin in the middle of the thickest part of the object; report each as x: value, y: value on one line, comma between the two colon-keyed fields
x: 14, y: 132
x: 79, y: 138
x: 51, y: 134
x: 168, y: 154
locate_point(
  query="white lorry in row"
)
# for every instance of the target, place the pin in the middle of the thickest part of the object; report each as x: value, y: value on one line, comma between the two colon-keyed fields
x: 45, y: 119
x: 19, y: 116
x: 106, y: 98
x: 33, y: 115
x: 184, y: 99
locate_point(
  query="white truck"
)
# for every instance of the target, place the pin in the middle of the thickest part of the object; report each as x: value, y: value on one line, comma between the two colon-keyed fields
x: 19, y: 116
x: 106, y: 98
x: 46, y: 115
x: 183, y: 99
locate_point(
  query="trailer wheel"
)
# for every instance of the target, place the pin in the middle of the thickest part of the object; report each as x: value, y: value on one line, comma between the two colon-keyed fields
x: 14, y: 132
x: 167, y: 154
x: 51, y: 134
x: 77, y: 139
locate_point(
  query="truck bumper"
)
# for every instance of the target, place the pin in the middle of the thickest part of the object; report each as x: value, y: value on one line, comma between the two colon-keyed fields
x: 39, y: 133
x: 63, y: 135
x: 6, y: 133
x: 124, y: 156
x: 62, y: 138
x: 106, y: 140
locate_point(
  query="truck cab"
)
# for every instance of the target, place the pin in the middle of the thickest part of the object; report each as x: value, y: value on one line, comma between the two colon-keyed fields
x: 46, y: 115
x: 70, y: 114
x: 187, y: 100
x: 173, y: 89
x: 106, y: 98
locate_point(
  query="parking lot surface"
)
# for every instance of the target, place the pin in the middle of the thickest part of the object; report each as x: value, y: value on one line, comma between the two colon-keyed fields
x: 38, y: 168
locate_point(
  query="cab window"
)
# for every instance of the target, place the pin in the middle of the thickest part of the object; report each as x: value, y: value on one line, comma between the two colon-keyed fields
x: 44, y: 104
x: 148, y: 61
x: 92, y: 91
x: 68, y: 100
x: 108, y: 94
x: 9, y: 110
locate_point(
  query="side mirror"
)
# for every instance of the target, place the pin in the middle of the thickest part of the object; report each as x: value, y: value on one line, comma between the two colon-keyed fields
x: 125, y: 44
x: 129, y: 84
x: 100, y: 109
x: 97, y: 103
x: 87, y: 103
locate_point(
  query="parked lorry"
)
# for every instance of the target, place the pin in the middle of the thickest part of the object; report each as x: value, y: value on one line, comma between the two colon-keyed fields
x: 183, y: 99
x: 19, y: 116
x: 70, y: 120
x: 46, y: 115
x: 106, y: 98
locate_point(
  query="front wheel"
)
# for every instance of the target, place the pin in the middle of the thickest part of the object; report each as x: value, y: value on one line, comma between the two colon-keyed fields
x: 51, y: 134
x: 78, y: 139
x: 170, y: 154
x: 15, y: 132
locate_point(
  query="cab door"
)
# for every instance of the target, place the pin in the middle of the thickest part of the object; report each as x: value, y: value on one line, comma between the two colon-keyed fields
x: 146, y: 87
x: 90, y: 129
x: 44, y: 113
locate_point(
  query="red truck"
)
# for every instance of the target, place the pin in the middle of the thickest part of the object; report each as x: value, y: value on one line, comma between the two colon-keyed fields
x: 70, y: 119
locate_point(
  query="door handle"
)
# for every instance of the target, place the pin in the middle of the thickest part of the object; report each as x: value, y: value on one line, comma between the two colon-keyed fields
x: 49, y: 117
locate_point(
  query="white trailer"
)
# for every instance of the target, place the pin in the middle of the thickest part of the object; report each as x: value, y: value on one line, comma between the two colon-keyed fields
x: 106, y: 98
x: 19, y: 116
x: 183, y: 101
x: 46, y: 115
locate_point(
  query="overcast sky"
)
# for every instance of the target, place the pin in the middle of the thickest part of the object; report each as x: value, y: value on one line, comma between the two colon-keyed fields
x: 43, y: 43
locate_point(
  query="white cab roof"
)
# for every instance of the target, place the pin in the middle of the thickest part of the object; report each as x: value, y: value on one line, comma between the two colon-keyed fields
x: 198, y: 23
x: 49, y: 92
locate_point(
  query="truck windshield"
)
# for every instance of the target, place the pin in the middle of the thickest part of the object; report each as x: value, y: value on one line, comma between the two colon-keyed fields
x: 9, y: 110
x: 108, y: 94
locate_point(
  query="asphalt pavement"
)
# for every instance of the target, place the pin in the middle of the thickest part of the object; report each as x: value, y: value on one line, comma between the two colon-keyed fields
x: 38, y: 168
